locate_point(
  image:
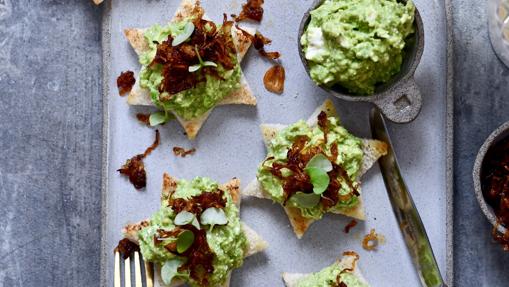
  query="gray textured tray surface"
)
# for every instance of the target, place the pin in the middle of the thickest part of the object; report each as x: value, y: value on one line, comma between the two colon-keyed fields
x: 230, y: 145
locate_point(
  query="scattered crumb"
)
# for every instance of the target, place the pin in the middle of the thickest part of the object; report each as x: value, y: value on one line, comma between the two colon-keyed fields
x: 179, y: 151
x: 371, y: 241
x: 350, y: 225
x: 143, y: 118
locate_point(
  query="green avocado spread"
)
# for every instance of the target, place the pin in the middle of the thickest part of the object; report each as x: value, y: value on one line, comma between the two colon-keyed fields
x: 349, y: 157
x: 227, y: 242
x: 328, y: 276
x: 191, y: 103
x: 357, y: 44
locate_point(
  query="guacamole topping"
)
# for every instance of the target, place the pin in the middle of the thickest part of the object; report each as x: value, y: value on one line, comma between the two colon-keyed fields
x: 329, y: 277
x: 357, y: 44
x: 325, y: 166
x: 192, y: 77
x: 225, y: 241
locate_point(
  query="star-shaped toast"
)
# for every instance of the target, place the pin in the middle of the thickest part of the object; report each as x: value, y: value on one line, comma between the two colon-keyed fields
x: 141, y: 97
x: 372, y: 150
x: 348, y: 262
x: 255, y: 242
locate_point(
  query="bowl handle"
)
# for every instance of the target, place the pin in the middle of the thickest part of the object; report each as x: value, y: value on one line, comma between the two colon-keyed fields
x: 402, y: 103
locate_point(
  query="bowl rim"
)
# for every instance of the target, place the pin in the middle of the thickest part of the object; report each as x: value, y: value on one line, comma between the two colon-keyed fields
x: 498, y: 134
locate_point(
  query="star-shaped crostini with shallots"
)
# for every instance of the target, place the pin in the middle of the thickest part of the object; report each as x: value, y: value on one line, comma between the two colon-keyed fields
x: 189, y: 66
x: 197, y: 235
x: 313, y: 167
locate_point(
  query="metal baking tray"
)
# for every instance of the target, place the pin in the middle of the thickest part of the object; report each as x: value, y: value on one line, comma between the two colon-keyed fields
x: 230, y: 145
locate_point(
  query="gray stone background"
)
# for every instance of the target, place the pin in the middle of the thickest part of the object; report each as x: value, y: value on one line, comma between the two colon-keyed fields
x: 50, y: 147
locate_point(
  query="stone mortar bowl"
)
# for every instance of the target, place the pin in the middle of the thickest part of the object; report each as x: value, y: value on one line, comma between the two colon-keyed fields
x: 499, y: 134
x: 399, y: 99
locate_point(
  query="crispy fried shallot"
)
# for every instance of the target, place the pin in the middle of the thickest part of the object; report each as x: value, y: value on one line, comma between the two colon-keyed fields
x: 198, y: 203
x: 259, y: 41
x: 135, y: 170
x: 200, y: 257
x: 208, y: 43
x: 134, y: 167
x: 274, y: 79
x: 125, y: 82
x: 370, y: 241
x: 153, y: 146
x: 495, y: 186
x: 350, y: 225
x: 339, y: 282
x: 143, y: 118
x: 251, y: 10
x: 126, y: 248
x: 182, y: 152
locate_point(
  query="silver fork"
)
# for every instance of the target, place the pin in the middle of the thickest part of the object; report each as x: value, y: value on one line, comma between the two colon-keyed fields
x: 149, y: 272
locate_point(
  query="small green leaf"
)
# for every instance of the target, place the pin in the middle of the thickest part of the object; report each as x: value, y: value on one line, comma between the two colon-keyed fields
x: 184, y: 241
x: 213, y: 216
x: 182, y: 37
x: 320, y: 161
x: 194, y: 68
x: 319, y: 178
x: 195, y: 223
x: 157, y: 118
x: 305, y: 200
x: 170, y: 270
x: 209, y: 64
x: 184, y: 217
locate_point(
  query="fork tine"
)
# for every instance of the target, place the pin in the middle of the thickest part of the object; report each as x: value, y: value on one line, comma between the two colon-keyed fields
x: 137, y: 269
x: 116, y: 275
x: 149, y: 274
x: 127, y: 274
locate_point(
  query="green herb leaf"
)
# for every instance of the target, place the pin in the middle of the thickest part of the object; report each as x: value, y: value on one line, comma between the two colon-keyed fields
x: 319, y: 178
x: 213, y: 216
x: 320, y: 161
x: 186, y: 34
x: 194, y: 68
x: 157, y: 118
x: 209, y: 64
x: 305, y: 200
x: 184, y: 217
x: 170, y: 269
x: 184, y: 241
x: 195, y: 223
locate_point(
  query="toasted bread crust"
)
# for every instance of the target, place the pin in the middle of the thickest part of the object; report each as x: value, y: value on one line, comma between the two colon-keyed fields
x: 298, y: 222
